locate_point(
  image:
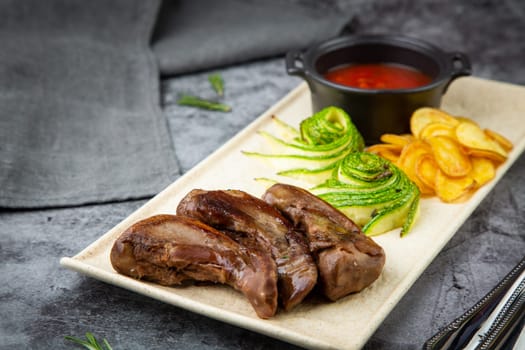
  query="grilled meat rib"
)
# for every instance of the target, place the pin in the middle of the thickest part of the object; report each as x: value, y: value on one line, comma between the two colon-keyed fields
x: 248, y: 218
x: 348, y: 261
x: 170, y: 249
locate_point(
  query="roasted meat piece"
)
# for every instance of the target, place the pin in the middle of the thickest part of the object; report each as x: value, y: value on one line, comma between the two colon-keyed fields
x: 348, y: 261
x: 169, y: 249
x: 248, y: 218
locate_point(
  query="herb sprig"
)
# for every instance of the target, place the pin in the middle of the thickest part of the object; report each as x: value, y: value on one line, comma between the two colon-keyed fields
x: 217, y: 84
x: 91, y: 343
x: 193, y: 101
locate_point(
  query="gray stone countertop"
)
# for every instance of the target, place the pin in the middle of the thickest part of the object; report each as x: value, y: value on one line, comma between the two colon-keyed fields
x: 41, y: 302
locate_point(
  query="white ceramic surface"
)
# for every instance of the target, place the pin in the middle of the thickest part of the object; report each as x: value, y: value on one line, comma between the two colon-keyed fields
x: 348, y: 323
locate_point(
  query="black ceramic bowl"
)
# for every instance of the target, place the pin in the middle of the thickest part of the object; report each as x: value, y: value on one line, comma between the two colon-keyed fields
x: 376, y: 112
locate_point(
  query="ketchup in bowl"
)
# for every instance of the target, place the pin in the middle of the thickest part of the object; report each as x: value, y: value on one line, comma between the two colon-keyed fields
x: 391, y: 76
x: 378, y: 76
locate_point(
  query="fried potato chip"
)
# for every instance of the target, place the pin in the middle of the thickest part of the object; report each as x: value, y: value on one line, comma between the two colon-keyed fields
x: 502, y: 140
x: 472, y: 136
x: 453, y: 189
x: 437, y: 129
x: 426, y: 170
x: 461, y: 119
x: 482, y: 153
x: 396, y: 139
x: 426, y: 115
x: 388, y: 151
x: 450, y: 157
x: 377, y: 148
x: 483, y: 170
x: 409, y: 158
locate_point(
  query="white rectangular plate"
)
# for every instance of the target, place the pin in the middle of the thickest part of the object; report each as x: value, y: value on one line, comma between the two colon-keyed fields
x: 348, y: 323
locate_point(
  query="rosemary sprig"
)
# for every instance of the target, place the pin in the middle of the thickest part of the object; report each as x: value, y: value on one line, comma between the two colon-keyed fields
x: 217, y: 83
x: 91, y: 343
x: 193, y: 101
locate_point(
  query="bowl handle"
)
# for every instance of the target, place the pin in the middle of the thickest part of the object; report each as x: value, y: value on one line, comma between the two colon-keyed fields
x: 460, y: 64
x: 294, y: 63
x: 460, y: 67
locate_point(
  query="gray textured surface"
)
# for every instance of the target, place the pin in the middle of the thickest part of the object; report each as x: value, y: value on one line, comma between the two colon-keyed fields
x: 40, y: 302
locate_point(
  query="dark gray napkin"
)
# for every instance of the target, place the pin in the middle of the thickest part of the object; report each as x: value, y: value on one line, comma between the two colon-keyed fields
x: 193, y: 35
x: 80, y: 120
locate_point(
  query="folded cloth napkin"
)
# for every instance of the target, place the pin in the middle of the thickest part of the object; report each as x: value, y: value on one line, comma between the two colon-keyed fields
x: 193, y: 35
x: 80, y: 119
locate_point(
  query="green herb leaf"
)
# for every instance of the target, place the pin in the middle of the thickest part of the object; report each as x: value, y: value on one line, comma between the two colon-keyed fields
x: 217, y: 83
x: 198, y: 102
x: 91, y: 343
x: 106, y: 343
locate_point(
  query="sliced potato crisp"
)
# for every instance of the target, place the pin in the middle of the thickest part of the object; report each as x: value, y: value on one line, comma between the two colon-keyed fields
x: 396, y: 139
x: 453, y: 189
x: 451, y: 159
x: 424, y: 116
x: 437, y: 129
x: 426, y: 170
x: 387, y: 151
x: 472, y: 136
x: 483, y: 170
x: 502, y: 140
x: 482, y: 153
x: 446, y: 156
x: 408, y: 160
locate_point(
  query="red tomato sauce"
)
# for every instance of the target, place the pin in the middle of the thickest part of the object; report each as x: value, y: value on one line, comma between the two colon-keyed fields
x: 378, y: 76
